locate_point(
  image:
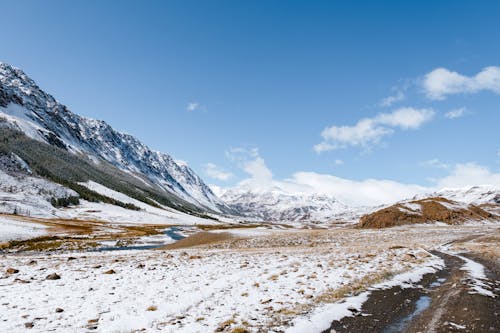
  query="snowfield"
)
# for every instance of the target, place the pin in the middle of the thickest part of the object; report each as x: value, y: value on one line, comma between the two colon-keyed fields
x: 111, y: 213
x: 263, y: 283
x: 28, y: 195
x: 16, y: 230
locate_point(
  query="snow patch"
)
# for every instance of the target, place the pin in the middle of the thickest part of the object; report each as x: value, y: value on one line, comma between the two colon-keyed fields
x: 11, y: 229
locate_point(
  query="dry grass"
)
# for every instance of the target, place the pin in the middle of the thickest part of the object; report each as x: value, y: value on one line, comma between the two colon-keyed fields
x: 73, y: 234
x: 225, y: 325
x: 201, y: 238
x: 486, y: 247
x: 50, y: 243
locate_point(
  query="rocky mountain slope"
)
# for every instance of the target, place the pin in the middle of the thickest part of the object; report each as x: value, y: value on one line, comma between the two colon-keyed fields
x: 27, y: 108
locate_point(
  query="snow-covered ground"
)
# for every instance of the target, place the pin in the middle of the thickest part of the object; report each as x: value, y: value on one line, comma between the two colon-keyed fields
x: 111, y: 213
x: 115, y: 214
x: 11, y: 229
x: 262, y: 283
x: 321, y: 318
x: 28, y: 195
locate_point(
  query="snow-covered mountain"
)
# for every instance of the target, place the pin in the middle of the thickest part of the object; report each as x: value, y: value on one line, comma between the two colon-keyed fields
x: 277, y: 205
x: 26, y: 107
x: 477, y: 195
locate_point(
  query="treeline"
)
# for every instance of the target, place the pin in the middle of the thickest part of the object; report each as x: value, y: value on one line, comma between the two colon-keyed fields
x: 65, y: 201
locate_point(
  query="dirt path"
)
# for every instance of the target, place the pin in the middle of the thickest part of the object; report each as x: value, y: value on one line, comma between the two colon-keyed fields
x: 441, y: 303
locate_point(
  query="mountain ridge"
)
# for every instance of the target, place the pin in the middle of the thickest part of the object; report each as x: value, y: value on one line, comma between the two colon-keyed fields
x: 279, y: 205
x: 40, y: 116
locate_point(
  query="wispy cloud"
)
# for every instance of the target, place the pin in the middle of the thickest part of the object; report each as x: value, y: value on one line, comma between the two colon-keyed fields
x: 195, y: 106
x: 369, y: 131
x: 441, y: 82
x: 435, y: 163
x: 213, y: 171
x: 456, y: 113
x: 338, y: 162
x: 390, y: 100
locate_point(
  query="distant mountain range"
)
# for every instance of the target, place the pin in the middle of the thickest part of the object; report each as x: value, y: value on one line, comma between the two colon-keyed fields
x: 278, y: 205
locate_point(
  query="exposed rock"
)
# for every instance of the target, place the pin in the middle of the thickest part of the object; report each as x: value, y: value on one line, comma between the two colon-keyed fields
x: 53, y: 276
x: 12, y: 271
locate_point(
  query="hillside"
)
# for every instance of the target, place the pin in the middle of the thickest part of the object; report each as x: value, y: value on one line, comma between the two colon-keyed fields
x: 26, y: 108
x: 428, y: 210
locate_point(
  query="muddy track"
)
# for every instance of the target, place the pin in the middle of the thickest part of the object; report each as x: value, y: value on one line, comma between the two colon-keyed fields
x: 442, y: 302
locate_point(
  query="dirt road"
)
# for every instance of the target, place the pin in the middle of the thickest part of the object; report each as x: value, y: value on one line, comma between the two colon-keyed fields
x: 442, y: 302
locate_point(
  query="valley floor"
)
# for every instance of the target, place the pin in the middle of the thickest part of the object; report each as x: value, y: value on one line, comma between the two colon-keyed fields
x: 240, y: 280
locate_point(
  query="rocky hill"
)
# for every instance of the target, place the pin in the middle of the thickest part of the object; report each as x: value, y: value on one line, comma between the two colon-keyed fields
x: 427, y: 210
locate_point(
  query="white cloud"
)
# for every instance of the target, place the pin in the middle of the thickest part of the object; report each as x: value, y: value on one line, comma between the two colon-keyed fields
x: 390, y: 100
x: 369, y: 131
x: 215, y: 172
x: 469, y: 174
x: 367, y: 192
x: 249, y: 160
x: 442, y: 82
x: 193, y: 106
x: 338, y: 162
x: 435, y: 163
x: 405, y: 118
x: 456, y: 113
x: 351, y: 192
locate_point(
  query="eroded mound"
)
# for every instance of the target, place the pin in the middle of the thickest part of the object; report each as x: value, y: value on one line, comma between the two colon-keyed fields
x: 429, y: 210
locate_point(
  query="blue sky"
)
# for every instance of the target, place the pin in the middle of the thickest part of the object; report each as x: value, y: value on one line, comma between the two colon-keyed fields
x: 231, y: 85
